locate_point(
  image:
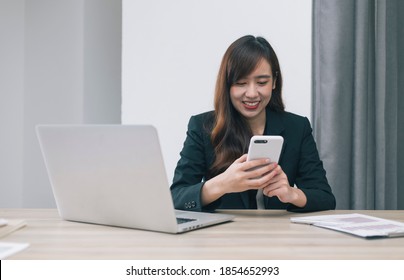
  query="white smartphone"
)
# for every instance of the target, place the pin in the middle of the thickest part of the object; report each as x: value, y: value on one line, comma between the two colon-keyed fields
x: 265, y: 146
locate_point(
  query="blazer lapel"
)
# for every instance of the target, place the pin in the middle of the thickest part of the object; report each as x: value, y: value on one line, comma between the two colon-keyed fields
x: 275, y: 126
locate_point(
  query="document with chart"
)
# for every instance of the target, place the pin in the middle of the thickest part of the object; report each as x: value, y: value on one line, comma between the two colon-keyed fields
x: 357, y: 224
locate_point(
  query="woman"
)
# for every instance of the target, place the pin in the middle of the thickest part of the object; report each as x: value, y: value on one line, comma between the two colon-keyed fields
x: 213, y: 171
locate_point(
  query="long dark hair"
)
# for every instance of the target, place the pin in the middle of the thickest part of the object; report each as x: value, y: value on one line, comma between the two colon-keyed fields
x: 231, y: 132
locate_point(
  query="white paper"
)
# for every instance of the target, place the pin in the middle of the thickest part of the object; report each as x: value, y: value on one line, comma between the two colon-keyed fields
x: 8, y: 248
x: 356, y: 224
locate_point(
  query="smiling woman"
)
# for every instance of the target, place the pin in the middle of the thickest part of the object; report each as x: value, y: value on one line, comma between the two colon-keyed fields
x: 250, y: 95
x: 170, y: 51
x: 245, y: 63
x: 213, y: 171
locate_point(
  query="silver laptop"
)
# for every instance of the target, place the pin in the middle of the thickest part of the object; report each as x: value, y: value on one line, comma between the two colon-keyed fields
x: 114, y: 175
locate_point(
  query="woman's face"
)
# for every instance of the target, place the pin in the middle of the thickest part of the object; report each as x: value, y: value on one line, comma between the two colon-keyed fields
x: 250, y: 95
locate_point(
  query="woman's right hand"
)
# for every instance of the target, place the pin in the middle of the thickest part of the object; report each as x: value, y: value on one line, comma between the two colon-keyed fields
x: 240, y: 176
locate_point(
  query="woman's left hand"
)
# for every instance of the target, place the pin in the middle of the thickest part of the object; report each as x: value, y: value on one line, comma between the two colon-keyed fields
x: 279, y: 186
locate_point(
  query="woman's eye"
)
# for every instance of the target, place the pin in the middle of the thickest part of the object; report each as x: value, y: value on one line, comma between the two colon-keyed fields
x: 262, y: 83
x: 240, y: 84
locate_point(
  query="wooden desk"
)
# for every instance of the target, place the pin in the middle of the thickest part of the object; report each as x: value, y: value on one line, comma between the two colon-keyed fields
x: 254, y: 234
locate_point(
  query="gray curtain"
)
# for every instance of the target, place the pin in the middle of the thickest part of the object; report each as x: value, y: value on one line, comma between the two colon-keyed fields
x: 358, y: 100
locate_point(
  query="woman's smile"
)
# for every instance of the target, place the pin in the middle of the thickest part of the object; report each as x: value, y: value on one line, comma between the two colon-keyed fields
x: 251, y: 105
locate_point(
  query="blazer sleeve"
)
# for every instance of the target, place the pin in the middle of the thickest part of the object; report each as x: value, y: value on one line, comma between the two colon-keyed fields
x: 191, y: 168
x: 311, y: 176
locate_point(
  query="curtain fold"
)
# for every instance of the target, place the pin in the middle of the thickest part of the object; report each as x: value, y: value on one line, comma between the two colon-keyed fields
x: 357, y: 95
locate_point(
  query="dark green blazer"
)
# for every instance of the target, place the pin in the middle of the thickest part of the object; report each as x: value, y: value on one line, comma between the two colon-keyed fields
x: 299, y: 160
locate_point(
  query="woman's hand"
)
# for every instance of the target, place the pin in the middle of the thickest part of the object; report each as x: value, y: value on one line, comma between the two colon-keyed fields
x: 256, y: 174
x: 240, y: 176
x: 279, y: 186
x: 244, y: 175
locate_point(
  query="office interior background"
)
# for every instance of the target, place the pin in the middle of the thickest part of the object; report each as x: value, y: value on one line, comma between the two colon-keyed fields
x: 155, y: 62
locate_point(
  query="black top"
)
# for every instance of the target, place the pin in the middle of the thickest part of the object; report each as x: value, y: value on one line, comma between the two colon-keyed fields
x: 299, y: 160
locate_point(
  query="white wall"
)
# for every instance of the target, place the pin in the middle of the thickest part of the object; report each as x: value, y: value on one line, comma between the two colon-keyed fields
x: 172, y: 51
x: 11, y: 101
x: 60, y: 63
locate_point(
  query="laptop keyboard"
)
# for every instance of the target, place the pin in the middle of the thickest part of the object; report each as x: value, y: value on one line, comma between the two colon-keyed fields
x: 184, y: 220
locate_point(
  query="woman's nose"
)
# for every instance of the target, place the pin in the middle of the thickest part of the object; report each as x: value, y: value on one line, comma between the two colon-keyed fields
x: 252, y: 90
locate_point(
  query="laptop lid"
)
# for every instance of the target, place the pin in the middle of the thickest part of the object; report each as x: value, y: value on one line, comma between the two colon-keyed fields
x: 113, y: 175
